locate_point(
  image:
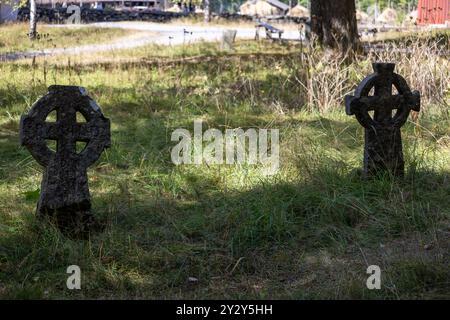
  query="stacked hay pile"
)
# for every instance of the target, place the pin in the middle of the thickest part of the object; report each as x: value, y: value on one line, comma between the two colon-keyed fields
x: 258, y: 8
x: 362, y: 17
x: 389, y: 16
x: 299, y: 11
x: 411, y: 18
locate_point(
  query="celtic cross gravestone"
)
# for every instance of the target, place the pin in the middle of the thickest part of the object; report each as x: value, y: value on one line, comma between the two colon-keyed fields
x: 64, y: 188
x: 383, y: 144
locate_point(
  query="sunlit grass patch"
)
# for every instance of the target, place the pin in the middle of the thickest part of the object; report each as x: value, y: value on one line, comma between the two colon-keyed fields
x: 14, y: 37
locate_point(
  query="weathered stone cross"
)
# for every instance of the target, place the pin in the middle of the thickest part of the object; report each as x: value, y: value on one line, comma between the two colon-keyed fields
x: 383, y: 144
x: 64, y: 188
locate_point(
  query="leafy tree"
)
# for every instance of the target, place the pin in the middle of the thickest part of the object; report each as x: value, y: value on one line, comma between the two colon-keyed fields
x: 403, y: 5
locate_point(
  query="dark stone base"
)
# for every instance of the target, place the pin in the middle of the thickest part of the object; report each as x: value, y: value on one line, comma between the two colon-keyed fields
x: 72, y: 221
x: 383, y: 152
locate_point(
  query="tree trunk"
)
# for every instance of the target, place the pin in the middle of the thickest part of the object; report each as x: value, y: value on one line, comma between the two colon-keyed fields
x: 207, y: 10
x: 334, y: 23
x: 33, y: 20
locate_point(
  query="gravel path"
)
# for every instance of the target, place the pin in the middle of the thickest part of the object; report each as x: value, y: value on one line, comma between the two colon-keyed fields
x: 157, y: 33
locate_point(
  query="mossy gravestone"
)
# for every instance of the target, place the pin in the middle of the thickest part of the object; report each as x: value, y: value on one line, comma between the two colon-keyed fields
x: 64, y: 189
x: 383, y: 144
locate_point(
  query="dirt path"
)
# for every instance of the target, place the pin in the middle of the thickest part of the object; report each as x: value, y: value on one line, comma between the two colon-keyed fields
x: 130, y: 41
x: 154, y: 33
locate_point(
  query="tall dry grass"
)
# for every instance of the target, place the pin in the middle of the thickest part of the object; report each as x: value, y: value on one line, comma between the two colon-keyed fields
x: 326, y: 77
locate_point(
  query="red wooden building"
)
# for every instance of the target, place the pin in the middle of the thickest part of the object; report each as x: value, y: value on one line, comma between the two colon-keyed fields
x: 433, y: 12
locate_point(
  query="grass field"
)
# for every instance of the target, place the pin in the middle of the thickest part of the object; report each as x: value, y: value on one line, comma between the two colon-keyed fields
x: 309, y: 231
x: 14, y: 38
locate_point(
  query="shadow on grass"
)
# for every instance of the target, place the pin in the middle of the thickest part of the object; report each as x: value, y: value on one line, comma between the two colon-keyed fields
x: 152, y: 243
